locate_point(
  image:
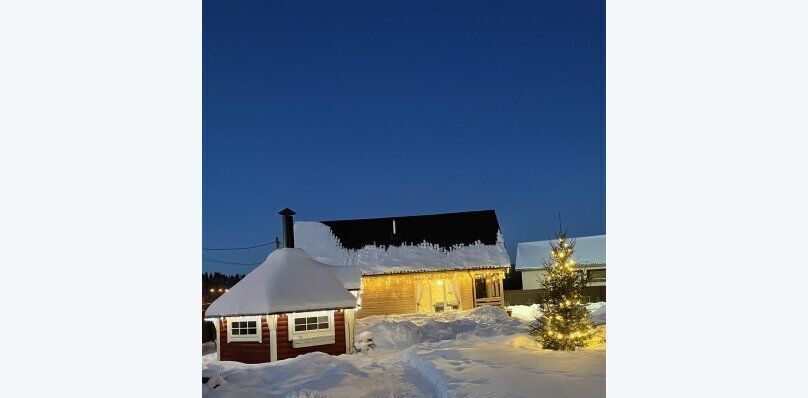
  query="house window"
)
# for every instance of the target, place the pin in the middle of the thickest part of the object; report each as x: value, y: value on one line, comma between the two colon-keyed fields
x: 244, y: 328
x: 597, y: 275
x: 308, y: 329
x: 437, y: 296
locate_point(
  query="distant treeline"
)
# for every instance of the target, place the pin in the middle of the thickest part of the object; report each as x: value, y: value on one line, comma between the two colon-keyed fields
x: 218, y: 280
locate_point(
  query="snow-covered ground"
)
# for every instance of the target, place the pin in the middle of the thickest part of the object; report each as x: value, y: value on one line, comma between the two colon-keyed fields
x: 476, y: 353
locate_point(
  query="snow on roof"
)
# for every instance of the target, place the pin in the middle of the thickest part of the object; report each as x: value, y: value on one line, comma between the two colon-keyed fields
x: 588, y: 250
x: 320, y: 241
x: 349, y: 275
x: 445, y: 230
x: 289, y: 280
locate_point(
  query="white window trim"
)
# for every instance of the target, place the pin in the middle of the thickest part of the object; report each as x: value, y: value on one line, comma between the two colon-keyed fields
x: 310, y: 338
x: 243, y: 338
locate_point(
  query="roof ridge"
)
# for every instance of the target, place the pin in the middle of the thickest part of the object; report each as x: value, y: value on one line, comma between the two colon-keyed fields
x: 412, y: 216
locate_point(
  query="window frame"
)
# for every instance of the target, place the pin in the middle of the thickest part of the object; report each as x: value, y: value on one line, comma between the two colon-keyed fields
x: 244, y: 337
x: 308, y: 338
x: 444, y: 285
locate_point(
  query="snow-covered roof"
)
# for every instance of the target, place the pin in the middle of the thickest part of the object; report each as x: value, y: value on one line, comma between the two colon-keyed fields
x: 289, y: 280
x: 589, y: 250
x: 349, y: 275
x: 466, y: 240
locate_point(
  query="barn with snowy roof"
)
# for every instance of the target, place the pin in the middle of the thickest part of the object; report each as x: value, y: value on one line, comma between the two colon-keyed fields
x: 289, y: 305
x: 415, y: 264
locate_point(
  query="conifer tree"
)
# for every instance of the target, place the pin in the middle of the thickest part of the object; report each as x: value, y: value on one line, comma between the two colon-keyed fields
x: 563, y: 324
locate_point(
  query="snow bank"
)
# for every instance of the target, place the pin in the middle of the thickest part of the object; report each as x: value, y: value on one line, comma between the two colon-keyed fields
x: 475, y: 353
x: 598, y: 313
x: 300, y: 376
x: 321, y: 244
x: 405, y: 330
x: 473, y: 366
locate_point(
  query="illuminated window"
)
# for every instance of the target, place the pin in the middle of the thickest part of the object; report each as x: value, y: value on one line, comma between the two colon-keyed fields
x: 244, y: 328
x: 437, y: 296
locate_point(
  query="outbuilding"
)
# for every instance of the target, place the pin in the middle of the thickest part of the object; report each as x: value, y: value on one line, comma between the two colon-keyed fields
x: 289, y: 305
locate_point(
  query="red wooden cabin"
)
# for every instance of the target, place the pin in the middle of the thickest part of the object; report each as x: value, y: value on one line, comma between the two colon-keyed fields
x: 289, y: 305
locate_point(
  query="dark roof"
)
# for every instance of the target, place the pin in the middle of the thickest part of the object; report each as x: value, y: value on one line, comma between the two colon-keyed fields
x: 445, y: 230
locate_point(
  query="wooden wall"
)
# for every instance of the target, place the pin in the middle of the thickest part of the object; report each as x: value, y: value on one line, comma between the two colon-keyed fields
x: 398, y: 296
x: 255, y: 352
x: 285, y: 349
x: 245, y: 351
x: 532, y: 296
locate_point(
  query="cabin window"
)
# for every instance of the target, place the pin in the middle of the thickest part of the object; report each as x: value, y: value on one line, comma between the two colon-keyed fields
x: 437, y: 296
x: 244, y: 328
x: 308, y: 329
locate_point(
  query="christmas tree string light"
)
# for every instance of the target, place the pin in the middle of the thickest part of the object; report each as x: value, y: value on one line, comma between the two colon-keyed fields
x: 563, y: 324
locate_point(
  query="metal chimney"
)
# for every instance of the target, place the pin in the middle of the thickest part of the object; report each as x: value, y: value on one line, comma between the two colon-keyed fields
x: 288, y: 227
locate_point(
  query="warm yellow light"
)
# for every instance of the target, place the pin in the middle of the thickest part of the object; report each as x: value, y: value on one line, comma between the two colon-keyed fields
x: 220, y: 290
x: 226, y: 290
x: 212, y: 290
x: 440, y: 281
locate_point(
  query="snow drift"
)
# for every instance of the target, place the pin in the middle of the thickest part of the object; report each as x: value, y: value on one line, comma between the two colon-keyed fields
x: 405, y: 330
x: 475, y: 353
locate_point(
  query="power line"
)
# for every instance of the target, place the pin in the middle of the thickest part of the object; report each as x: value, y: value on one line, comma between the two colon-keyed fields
x: 239, y: 248
x: 227, y: 262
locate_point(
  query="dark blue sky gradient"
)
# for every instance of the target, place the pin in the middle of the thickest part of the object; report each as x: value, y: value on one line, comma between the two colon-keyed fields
x: 356, y: 109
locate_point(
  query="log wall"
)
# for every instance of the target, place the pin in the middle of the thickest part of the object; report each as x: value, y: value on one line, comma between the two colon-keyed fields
x: 285, y: 349
x: 244, y: 351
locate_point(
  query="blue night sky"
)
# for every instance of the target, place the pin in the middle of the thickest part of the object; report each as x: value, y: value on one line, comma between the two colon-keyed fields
x: 358, y: 109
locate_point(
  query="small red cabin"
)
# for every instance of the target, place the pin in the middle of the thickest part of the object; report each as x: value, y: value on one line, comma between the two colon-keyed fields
x: 289, y: 305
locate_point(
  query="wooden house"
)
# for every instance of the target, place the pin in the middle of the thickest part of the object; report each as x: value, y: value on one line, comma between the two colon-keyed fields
x: 289, y: 305
x: 590, y: 258
x: 415, y: 264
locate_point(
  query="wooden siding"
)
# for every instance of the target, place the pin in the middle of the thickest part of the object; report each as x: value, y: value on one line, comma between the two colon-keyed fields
x: 380, y: 298
x: 245, y: 351
x: 532, y: 296
x: 285, y: 349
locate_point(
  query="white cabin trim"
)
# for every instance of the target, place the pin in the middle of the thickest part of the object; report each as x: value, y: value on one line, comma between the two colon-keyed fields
x: 244, y: 338
x: 272, y: 323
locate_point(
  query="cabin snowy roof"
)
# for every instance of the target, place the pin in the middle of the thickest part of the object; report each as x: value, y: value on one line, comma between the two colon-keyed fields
x: 435, y: 242
x: 589, y: 250
x: 289, y: 280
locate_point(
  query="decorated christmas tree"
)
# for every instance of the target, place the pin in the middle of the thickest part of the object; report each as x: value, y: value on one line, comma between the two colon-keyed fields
x: 564, y: 323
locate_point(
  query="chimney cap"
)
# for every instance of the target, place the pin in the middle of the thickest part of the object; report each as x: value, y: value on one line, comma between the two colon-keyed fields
x: 287, y: 212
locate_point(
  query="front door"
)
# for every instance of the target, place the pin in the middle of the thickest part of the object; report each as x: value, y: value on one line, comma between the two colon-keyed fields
x: 487, y: 291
